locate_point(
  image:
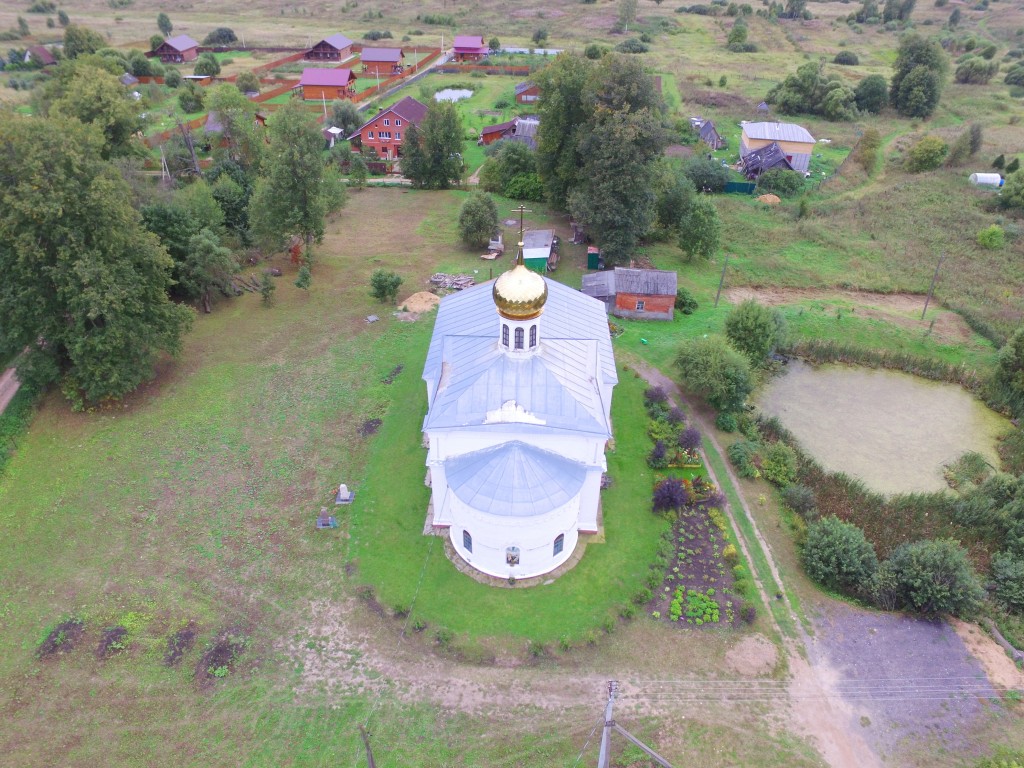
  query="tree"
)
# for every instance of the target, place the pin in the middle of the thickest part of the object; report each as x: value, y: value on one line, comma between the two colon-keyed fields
x: 782, y: 182
x: 872, y: 94
x: 1008, y: 577
x: 478, y: 220
x: 540, y: 36
x: 810, y: 90
x: 433, y: 150
x: 173, y: 78
x: 85, y: 286
x: 345, y: 115
x: 23, y: 29
x: 295, y: 194
x: 918, y: 72
x: 245, y: 142
x: 977, y: 138
x: 155, y: 41
x: 700, y: 233
x: 304, y: 278
x: 96, y: 97
x: 79, y: 40
x: 248, y: 82
x: 627, y: 13
x: 508, y: 160
x: 62, y: 18
x: 954, y: 18
x: 706, y: 175
x: 190, y: 97
x: 712, y: 368
x: 931, y: 577
x: 220, y: 36
x: 267, y: 288
x: 494, y: 45
x: 208, y: 265
x: 358, y: 171
x: 384, y: 285
x: 976, y: 70
x: 675, y: 195
x: 563, y: 112
x: 926, y: 155
x: 163, y: 23
x: 999, y: 162
x: 738, y: 33
x: 838, y: 556
x: 207, y: 64
x: 755, y: 330
x: 1012, y: 167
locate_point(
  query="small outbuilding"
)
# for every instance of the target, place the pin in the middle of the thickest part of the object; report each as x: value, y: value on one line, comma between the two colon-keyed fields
x: 469, y: 48
x: 382, y: 61
x: 333, y: 48
x: 648, y: 294
x: 537, y: 248
x: 527, y: 92
x: 710, y: 136
x: 176, y: 50
x: 320, y: 84
x: 521, y: 129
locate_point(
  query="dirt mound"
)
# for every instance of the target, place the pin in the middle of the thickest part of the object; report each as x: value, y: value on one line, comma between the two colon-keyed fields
x: 180, y: 643
x: 754, y: 656
x: 220, y: 659
x: 114, y: 640
x: 769, y: 199
x: 62, y: 638
x: 423, y: 301
x: 369, y: 427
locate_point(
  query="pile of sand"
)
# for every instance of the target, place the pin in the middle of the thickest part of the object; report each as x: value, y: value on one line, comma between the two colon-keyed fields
x: 769, y: 199
x: 423, y: 301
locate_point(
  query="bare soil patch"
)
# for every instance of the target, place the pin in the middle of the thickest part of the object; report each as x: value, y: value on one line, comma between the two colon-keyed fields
x: 419, y: 302
x: 753, y: 656
x: 112, y: 641
x: 220, y: 659
x: 369, y: 427
x: 718, y: 99
x: 390, y: 378
x: 902, y: 309
x: 678, y: 150
x: 180, y: 643
x: 62, y: 638
x: 997, y: 665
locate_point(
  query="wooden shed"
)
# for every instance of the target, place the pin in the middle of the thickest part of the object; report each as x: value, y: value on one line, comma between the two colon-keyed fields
x: 382, y: 61
x: 320, y: 84
x: 175, y: 50
x: 710, y: 136
x: 527, y: 93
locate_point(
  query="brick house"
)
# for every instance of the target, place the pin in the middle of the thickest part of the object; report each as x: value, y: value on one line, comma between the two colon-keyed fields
x: 637, y: 293
x: 469, y: 48
x: 384, y: 132
x: 382, y: 61
x: 320, y: 84
x: 176, y: 50
x: 333, y: 48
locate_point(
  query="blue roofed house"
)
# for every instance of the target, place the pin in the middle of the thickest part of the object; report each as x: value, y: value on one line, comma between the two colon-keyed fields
x: 519, y: 379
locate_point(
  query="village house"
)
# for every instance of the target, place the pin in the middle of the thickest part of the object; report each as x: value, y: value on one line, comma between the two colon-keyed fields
x: 527, y: 92
x: 765, y: 159
x: 796, y: 142
x: 322, y: 84
x: 382, y: 61
x: 637, y: 293
x: 469, y: 48
x: 521, y: 129
x: 333, y: 48
x: 710, y: 136
x: 176, y: 50
x: 519, y: 378
x: 40, y: 54
x: 384, y: 131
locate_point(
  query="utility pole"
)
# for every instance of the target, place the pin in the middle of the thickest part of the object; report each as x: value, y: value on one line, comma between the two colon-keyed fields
x: 369, y: 752
x: 931, y: 288
x: 722, y: 279
x: 604, y: 756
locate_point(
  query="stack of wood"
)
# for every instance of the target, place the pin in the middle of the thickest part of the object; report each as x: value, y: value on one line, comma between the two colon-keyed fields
x: 250, y: 283
x: 452, y: 282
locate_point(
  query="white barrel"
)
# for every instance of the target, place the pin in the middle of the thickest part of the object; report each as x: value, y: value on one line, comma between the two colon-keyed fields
x: 987, y: 179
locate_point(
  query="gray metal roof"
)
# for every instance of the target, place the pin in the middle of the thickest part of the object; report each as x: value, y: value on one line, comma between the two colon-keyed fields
x: 778, y: 132
x: 651, y: 282
x: 538, y: 238
x: 469, y: 378
x: 764, y: 159
x: 599, y: 284
x: 514, y: 479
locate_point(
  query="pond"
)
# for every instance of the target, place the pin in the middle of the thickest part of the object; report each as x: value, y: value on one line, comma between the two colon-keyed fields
x: 892, y: 430
x: 453, y: 94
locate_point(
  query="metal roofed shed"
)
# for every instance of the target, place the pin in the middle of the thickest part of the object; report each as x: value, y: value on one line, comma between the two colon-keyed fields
x: 537, y: 249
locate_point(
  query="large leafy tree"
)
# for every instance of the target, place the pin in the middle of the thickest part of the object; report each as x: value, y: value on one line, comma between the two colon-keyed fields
x: 930, y: 577
x: 79, y: 40
x: 85, y: 286
x: 809, y: 90
x: 237, y: 114
x: 838, y: 556
x: 755, y: 330
x: 918, y: 72
x: 872, y: 94
x: 709, y: 366
x: 208, y: 265
x: 478, y: 220
x: 432, y: 151
x: 163, y: 23
x: 297, y: 192
x: 700, y: 230
x: 563, y: 112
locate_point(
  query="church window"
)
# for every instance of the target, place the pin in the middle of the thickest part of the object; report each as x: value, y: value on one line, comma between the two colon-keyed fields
x: 640, y: 305
x: 504, y: 335
x: 559, y: 543
x: 519, y: 338
x: 512, y: 555
x: 533, y: 336
x: 467, y: 541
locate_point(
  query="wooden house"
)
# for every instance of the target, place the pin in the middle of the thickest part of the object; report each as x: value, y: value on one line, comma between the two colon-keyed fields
x: 384, y: 131
x: 637, y: 293
x: 710, y: 136
x: 320, y: 84
x: 382, y: 61
x: 521, y: 129
x: 175, y: 50
x: 527, y: 93
x: 333, y: 48
x: 765, y: 159
x: 795, y: 141
x: 469, y: 48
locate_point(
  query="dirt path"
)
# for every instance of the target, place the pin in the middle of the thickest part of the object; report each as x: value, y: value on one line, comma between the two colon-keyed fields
x: 9, y: 386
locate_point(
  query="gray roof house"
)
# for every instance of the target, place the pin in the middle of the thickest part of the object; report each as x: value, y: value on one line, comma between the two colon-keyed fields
x: 647, y: 294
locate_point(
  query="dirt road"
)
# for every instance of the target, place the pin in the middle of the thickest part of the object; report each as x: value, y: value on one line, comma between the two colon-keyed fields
x: 9, y: 386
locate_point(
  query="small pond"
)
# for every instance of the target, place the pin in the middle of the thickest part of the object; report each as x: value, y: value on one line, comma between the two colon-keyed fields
x: 892, y: 430
x: 453, y: 94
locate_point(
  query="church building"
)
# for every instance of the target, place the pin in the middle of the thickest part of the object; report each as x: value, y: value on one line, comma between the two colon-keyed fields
x: 519, y: 388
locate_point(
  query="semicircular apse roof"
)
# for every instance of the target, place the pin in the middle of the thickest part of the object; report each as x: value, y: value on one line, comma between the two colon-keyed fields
x: 514, y: 479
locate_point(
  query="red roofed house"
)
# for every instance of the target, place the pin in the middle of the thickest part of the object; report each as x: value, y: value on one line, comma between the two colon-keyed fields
x: 382, y: 61
x: 175, y: 50
x: 318, y: 84
x: 527, y: 93
x: 469, y: 47
x: 333, y: 48
x: 40, y: 54
x: 383, y: 133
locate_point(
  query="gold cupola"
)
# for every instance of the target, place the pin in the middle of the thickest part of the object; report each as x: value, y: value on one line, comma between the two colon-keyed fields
x: 520, y: 293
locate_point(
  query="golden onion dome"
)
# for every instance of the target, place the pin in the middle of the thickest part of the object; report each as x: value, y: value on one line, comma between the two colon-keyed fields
x: 520, y: 293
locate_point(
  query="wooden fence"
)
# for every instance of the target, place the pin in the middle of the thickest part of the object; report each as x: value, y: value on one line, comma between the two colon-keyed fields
x: 487, y: 69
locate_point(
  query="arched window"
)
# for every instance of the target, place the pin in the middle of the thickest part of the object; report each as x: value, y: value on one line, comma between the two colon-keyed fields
x: 533, y: 336
x: 519, y: 338
x: 504, y: 335
x: 467, y: 541
x: 559, y: 543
